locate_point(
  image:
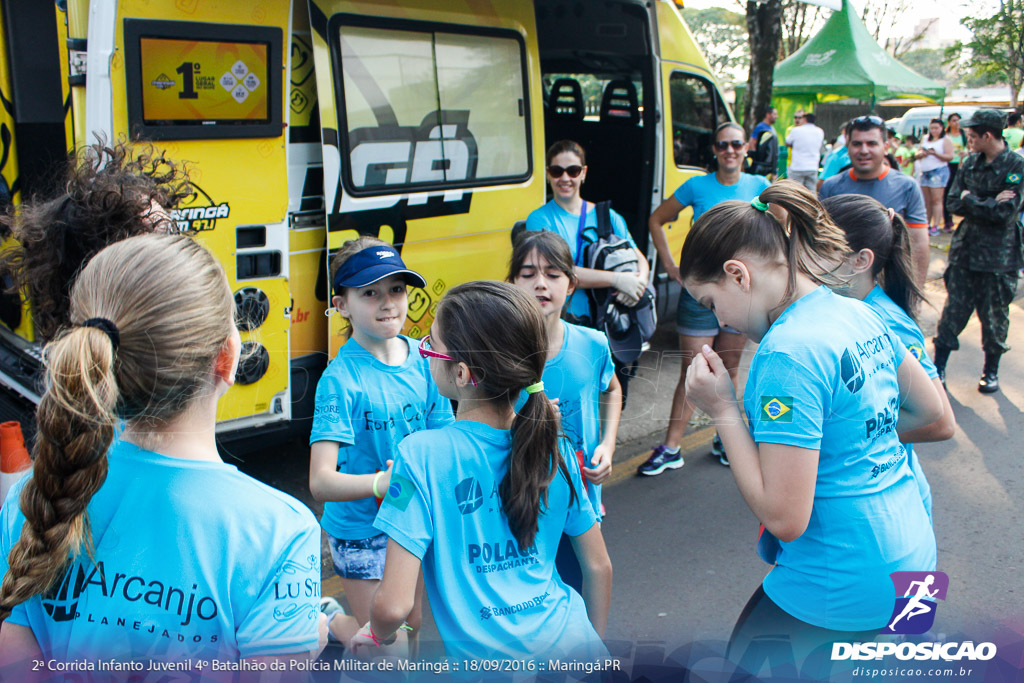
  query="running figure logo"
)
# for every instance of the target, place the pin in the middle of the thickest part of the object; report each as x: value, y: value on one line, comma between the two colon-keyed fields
x: 916, y: 593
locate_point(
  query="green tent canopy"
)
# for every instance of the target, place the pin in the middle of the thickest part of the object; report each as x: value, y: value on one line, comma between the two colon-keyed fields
x: 843, y: 61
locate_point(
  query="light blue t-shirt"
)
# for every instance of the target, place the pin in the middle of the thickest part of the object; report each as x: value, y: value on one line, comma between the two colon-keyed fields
x: 193, y: 559
x: 704, y: 191
x: 835, y: 161
x: 910, y: 334
x: 368, y: 407
x: 577, y: 376
x: 488, y: 597
x: 824, y: 378
x: 554, y: 218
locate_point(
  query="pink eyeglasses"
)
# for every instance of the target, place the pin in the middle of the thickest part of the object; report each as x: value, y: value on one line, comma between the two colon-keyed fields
x: 426, y: 352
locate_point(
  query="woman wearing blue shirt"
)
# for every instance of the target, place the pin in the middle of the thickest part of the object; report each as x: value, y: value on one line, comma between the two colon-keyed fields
x: 881, y: 251
x: 829, y: 389
x: 484, y: 520
x: 575, y: 221
x: 695, y: 324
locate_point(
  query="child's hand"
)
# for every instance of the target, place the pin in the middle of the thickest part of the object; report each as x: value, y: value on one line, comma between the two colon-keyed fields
x: 602, y: 464
x: 384, y: 480
x: 708, y: 385
x: 362, y: 645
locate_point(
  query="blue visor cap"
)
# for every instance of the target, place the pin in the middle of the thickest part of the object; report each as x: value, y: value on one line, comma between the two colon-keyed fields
x: 372, y: 264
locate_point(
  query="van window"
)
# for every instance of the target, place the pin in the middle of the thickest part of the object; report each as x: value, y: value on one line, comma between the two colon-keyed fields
x: 593, y: 89
x: 697, y: 110
x: 430, y: 109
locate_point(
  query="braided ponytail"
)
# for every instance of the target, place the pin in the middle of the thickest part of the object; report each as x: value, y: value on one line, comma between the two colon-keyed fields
x: 76, y: 421
x: 166, y: 305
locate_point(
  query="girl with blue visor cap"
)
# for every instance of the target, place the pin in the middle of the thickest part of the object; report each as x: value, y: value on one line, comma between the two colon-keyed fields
x: 374, y: 393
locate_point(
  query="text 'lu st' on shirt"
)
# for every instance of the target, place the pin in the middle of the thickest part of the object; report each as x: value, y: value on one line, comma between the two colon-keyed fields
x: 892, y: 189
x: 368, y: 407
x: 904, y: 327
x: 577, y: 376
x: 489, y: 598
x: 555, y: 219
x: 193, y: 559
x: 824, y: 378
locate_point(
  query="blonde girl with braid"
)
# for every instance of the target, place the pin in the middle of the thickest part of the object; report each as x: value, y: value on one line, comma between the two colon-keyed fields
x: 829, y: 390
x: 150, y: 547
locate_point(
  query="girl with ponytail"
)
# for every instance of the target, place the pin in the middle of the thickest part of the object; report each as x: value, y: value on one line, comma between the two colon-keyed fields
x: 149, y: 546
x: 880, y: 276
x: 829, y: 389
x: 482, y: 503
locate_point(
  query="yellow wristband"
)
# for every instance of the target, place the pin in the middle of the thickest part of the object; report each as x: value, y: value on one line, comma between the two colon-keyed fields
x: 376, y: 480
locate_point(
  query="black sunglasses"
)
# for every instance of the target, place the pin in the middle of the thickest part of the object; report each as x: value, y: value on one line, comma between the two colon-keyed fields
x: 722, y: 145
x: 877, y: 120
x: 557, y: 171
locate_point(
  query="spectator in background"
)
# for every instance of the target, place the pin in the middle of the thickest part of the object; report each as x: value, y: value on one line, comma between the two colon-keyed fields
x: 932, y: 163
x: 958, y: 138
x: 838, y: 158
x: 764, y: 146
x: 871, y: 175
x: 905, y: 154
x: 1014, y: 131
x: 805, y: 141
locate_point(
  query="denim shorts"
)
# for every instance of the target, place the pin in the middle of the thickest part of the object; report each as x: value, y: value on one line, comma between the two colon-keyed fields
x: 362, y: 558
x: 937, y: 177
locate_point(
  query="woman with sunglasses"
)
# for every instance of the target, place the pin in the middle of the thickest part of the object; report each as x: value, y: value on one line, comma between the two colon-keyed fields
x: 695, y: 324
x: 575, y: 220
x: 375, y: 392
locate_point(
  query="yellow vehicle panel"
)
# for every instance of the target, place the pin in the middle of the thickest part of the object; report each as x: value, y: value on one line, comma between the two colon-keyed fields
x: 454, y: 225
x: 240, y: 182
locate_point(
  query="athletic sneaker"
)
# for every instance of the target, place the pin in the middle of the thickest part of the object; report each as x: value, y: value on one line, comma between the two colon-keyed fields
x: 661, y: 459
x: 933, y: 230
x: 718, y: 450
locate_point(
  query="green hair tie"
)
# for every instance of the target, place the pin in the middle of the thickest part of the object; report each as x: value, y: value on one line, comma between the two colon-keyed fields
x: 534, y: 388
x: 758, y: 204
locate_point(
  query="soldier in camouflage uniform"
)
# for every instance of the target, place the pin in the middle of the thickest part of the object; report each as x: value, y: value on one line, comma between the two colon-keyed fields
x: 987, y: 250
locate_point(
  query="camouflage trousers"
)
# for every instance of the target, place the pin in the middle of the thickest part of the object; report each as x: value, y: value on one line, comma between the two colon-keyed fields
x: 987, y: 293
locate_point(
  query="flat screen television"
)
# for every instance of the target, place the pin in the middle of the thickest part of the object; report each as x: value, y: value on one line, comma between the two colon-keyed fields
x: 195, y: 80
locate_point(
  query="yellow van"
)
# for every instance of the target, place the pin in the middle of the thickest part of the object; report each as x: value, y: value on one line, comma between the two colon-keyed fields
x: 423, y: 122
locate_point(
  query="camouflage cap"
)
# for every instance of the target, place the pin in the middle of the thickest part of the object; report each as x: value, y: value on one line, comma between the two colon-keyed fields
x: 990, y: 118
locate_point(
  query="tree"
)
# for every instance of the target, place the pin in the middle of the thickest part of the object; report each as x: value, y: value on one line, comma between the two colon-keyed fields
x: 928, y: 63
x: 880, y: 16
x: 764, y: 33
x: 722, y: 36
x: 996, y: 49
x: 799, y: 22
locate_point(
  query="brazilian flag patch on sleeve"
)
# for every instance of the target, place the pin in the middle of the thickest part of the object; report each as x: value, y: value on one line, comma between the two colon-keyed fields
x: 916, y: 351
x: 1013, y: 178
x: 400, y: 492
x: 777, y: 408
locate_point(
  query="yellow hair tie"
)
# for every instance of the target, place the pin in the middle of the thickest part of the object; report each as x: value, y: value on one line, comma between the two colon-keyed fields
x: 534, y: 388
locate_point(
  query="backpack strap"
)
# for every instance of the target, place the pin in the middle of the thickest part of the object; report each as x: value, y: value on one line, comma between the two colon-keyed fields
x: 579, y: 234
x: 604, y: 219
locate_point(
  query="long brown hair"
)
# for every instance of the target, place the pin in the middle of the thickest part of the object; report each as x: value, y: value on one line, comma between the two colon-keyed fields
x: 806, y: 239
x: 172, y: 309
x: 548, y: 244
x: 503, y: 364
x: 107, y: 197
x: 867, y: 225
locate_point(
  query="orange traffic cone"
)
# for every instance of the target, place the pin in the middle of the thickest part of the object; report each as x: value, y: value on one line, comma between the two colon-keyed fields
x: 14, y: 459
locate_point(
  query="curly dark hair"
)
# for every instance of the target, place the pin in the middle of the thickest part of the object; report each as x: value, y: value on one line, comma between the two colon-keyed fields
x: 108, y: 197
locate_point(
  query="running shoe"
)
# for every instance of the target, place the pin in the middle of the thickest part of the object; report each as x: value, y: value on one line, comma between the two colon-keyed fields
x: 933, y: 230
x: 330, y: 607
x: 718, y: 450
x: 661, y: 459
